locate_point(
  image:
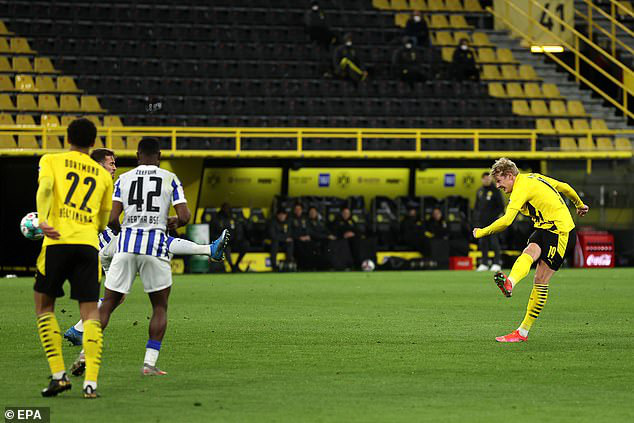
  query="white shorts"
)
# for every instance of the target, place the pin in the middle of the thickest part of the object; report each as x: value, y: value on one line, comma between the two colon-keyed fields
x: 155, y: 273
x: 107, y: 253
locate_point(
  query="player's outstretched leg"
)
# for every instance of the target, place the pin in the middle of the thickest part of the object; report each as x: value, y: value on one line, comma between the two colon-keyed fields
x: 75, y: 333
x: 215, y: 250
x: 218, y: 246
x: 520, y: 269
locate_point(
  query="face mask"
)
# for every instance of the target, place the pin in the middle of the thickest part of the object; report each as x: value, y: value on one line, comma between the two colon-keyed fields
x: 348, y: 43
x: 408, y: 46
x: 315, y: 8
x: 464, y: 47
x: 416, y: 18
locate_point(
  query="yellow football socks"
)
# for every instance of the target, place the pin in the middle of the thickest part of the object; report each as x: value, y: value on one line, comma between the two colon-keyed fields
x: 521, y: 268
x: 51, y: 339
x: 536, y: 302
x: 93, y: 344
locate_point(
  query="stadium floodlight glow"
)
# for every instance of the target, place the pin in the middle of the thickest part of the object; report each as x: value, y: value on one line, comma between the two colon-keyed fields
x: 547, y: 49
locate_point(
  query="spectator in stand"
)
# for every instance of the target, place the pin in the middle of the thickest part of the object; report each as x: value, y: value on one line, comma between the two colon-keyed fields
x: 346, y: 61
x: 463, y: 63
x: 408, y: 63
x: 281, y: 236
x: 413, y: 231
x: 317, y: 227
x: 489, y: 205
x: 316, y: 26
x: 238, y: 241
x: 435, y: 226
x: 416, y: 28
x: 311, y: 252
x: 436, y: 245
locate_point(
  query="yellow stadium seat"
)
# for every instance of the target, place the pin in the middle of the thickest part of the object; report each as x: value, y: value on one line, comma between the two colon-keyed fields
x: 505, y: 55
x: 551, y: 91
x: 472, y: 6
x: 514, y: 89
x: 539, y: 108
x: 94, y: 119
x: 562, y: 125
x: 520, y: 107
x: 25, y: 120
x: 67, y: 119
x: 438, y: 22
x: 417, y: 5
x: 26, y: 102
x: 567, y: 144
x: 400, y: 19
x: 66, y: 84
x: 21, y: 64
x: 435, y: 5
x: 496, y: 89
x: 480, y: 39
x: 6, y: 119
x: 53, y: 141
x: 453, y: 5
x: 586, y: 143
x: 27, y: 141
x: 444, y: 38
x: 580, y: 125
x: 6, y: 103
x: 558, y: 108
x: 89, y: 103
x: 544, y: 124
x: 486, y: 55
x: 7, y: 141
x: 527, y: 72
x: 117, y: 143
x: 490, y: 72
x: 50, y: 121
x: 598, y: 125
x: 622, y: 144
x: 604, y: 144
x: 20, y: 45
x: 111, y: 121
x: 381, y: 4
x: 69, y: 103
x: 4, y: 30
x: 510, y: 72
x: 44, y: 65
x: 24, y: 83
x: 45, y: 84
x: 532, y: 90
x: 4, y: 46
x: 575, y: 108
x: 98, y: 143
x: 4, y: 65
x: 6, y: 84
x: 460, y: 35
x: 399, y: 5
x: 133, y: 142
x: 47, y: 103
x: 447, y: 53
x: 458, y: 22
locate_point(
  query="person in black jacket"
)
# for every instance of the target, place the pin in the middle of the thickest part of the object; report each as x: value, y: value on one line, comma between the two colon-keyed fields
x: 316, y: 26
x: 408, y: 63
x: 238, y: 242
x: 281, y: 235
x: 489, y: 205
x: 413, y: 230
x: 416, y: 28
x: 463, y: 63
x: 346, y: 61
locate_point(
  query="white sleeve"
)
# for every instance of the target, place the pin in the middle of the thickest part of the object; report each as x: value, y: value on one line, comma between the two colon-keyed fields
x: 116, y: 192
x: 178, y: 195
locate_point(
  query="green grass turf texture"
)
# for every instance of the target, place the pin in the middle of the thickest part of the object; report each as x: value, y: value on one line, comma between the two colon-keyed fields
x: 382, y: 346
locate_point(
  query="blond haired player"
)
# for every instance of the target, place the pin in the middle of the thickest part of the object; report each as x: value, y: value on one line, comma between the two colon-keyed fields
x: 539, y: 197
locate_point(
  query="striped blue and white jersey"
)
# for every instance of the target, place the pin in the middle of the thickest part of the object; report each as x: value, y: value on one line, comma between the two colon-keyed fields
x: 105, y: 238
x: 146, y: 193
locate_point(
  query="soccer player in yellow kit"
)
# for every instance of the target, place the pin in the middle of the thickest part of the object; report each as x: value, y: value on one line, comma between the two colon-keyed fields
x: 73, y: 204
x: 539, y: 197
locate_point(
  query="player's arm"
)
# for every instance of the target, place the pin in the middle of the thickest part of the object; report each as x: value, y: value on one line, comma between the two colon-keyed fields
x: 499, y: 225
x: 106, y: 205
x: 44, y: 198
x: 115, y: 214
x: 569, y: 192
x: 180, y: 206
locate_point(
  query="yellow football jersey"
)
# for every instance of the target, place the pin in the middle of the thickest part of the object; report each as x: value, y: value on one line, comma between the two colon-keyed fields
x: 538, y: 197
x: 82, y: 189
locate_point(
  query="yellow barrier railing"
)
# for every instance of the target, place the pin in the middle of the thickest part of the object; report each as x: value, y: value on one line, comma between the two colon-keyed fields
x: 614, y: 24
x: 421, y: 147
x: 575, y: 49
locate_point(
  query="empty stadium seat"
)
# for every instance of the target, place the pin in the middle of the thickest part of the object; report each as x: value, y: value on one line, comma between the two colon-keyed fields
x: 544, y: 124
x: 49, y: 120
x: 514, y: 89
x: 563, y: 125
x: 527, y: 72
x: 7, y: 141
x: 47, y: 103
x: 580, y: 125
x: 520, y: 107
x: 53, y: 142
x: 89, y: 103
x: 6, y: 119
x: 21, y: 64
x: 112, y: 121
x: 24, y: 83
x: 532, y: 90
x: 575, y: 108
x: 551, y: 91
x: 496, y: 89
x: 567, y: 144
x: 472, y: 6
x: 6, y: 103
x: 43, y: 65
x: 66, y: 84
x: 539, y: 108
x: 26, y: 102
x: 558, y: 108
x: 44, y: 84
x: 69, y: 103
x: 20, y: 45
x: 586, y: 144
x: 438, y: 22
x: 622, y: 144
x: 604, y: 144
x: 510, y: 72
x: 27, y: 141
x: 598, y: 125
x: 6, y: 84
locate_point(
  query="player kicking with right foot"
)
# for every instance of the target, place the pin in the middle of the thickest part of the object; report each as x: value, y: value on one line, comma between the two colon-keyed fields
x: 539, y: 197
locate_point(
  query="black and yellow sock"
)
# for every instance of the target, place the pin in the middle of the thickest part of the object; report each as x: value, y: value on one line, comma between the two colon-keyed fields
x: 51, y: 339
x: 520, y: 268
x: 536, y: 302
x: 93, y: 344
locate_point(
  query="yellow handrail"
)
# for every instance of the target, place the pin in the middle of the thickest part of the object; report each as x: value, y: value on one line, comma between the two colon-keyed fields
x: 614, y: 22
x: 578, y: 54
x: 595, y: 25
x: 418, y: 137
x: 620, y: 6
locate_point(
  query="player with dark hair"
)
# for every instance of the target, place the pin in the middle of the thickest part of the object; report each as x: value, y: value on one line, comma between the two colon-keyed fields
x: 73, y: 203
x: 539, y: 197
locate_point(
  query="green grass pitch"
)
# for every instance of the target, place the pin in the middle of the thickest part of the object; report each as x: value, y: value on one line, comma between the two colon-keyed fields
x: 346, y: 347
